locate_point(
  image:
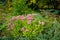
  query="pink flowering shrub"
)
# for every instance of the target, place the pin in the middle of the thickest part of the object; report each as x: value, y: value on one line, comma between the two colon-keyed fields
x: 27, y: 25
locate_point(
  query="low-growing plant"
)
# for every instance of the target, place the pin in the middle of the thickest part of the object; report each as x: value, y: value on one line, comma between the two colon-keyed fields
x: 25, y: 25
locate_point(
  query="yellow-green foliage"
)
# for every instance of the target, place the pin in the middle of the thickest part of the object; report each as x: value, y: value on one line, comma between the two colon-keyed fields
x: 32, y: 1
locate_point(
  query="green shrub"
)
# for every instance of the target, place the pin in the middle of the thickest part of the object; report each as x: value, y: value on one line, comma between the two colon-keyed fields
x: 25, y: 25
x: 20, y: 7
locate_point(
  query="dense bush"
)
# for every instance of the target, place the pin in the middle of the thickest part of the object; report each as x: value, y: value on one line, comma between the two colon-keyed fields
x: 31, y: 26
x: 24, y: 25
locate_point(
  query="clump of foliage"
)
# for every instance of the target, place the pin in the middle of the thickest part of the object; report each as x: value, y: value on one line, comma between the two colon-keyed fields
x: 25, y: 25
x: 20, y: 7
x: 32, y: 26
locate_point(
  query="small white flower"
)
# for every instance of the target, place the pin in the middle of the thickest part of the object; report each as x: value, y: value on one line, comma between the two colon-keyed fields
x: 42, y: 23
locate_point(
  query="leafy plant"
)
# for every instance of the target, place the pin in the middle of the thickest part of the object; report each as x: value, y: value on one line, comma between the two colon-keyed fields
x: 20, y: 7
x: 26, y: 26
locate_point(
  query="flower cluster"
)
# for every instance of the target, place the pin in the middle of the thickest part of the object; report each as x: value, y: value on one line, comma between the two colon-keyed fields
x: 10, y: 26
x: 29, y: 17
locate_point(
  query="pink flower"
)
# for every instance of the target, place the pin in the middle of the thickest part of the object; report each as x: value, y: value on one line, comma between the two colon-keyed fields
x: 22, y: 17
x: 10, y: 26
x: 13, y: 18
x: 22, y: 29
x: 43, y: 23
x: 29, y: 17
x: 29, y: 21
x: 18, y: 17
x: 26, y: 30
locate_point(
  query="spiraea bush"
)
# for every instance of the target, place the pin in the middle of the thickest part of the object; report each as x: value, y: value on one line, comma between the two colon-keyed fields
x: 32, y: 26
x: 24, y: 25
